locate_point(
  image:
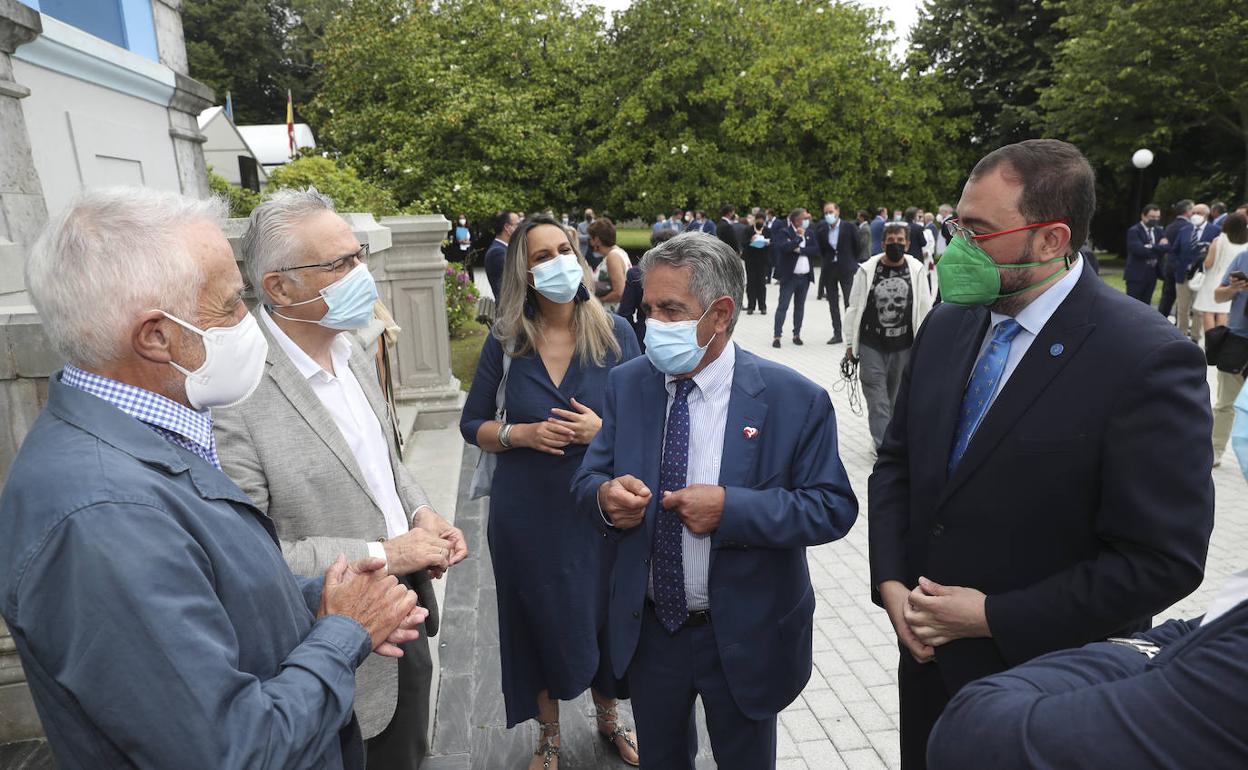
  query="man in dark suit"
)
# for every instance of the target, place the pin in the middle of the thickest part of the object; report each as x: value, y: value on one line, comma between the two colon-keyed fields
x: 1146, y: 245
x: 838, y: 248
x: 915, y: 222
x: 793, y: 253
x: 1175, y: 696
x: 1169, y: 291
x: 726, y: 229
x: 713, y: 487
x: 504, y: 224
x: 877, y: 232
x: 1010, y: 515
x: 743, y: 229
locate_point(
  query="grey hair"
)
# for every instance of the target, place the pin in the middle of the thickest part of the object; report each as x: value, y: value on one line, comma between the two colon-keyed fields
x: 272, y: 238
x: 111, y: 255
x: 715, y: 270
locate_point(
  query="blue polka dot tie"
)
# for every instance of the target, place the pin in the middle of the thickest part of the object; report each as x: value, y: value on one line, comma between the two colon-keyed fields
x: 988, y: 371
x: 667, y: 561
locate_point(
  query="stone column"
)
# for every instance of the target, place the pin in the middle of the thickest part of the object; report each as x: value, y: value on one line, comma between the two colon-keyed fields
x: 22, y: 209
x: 413, y: 275
x: 189, y: 99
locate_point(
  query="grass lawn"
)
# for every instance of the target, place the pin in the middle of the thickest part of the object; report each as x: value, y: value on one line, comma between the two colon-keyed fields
x: 465, y: 350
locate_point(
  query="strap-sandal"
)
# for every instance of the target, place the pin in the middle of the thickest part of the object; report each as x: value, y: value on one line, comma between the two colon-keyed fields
x: 610, y: 717
x: 548, y: 748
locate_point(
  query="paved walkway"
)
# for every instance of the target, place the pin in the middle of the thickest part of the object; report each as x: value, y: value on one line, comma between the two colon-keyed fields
x: 847, y: 716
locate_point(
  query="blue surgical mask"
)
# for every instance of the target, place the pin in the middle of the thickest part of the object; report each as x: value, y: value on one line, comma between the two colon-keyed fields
x: 673, y: 347
x: 559, y: 279
x: 831, y: 219
x: 805, y: 224
x: 350, y: 301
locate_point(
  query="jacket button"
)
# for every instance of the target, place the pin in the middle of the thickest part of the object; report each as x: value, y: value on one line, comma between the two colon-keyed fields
x: 636, y: 615
x: 646, y: 562
x: 938, y: 530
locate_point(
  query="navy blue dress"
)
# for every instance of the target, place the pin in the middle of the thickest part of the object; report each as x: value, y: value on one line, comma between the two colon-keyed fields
x: 550, y: 563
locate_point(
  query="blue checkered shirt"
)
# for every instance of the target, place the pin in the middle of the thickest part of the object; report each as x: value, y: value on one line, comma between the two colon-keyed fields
x: 174, y: 422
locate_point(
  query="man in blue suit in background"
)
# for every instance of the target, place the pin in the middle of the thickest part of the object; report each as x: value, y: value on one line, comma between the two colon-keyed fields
x: 1146, y: 245
x: 793, y: 253
x: 504, y: 224
x: 1169, y: 275
x: 714, y: 470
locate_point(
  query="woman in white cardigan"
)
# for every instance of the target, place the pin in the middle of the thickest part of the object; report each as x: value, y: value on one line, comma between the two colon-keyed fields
x: 878, y: 330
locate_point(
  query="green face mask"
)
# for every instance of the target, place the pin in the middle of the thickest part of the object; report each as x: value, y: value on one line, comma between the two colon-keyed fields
x: 968, y: 276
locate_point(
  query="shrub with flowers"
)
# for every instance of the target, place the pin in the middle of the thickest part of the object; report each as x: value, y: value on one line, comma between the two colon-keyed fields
x: 461, y: 298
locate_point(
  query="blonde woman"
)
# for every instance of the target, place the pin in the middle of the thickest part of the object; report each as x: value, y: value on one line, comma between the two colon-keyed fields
x: 550, y: 563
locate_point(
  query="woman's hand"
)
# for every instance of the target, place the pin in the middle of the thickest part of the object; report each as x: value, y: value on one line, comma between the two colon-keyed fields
x: 583, y: 423
x: 548, y: 436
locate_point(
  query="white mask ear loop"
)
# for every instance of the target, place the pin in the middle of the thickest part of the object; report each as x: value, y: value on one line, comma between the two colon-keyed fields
x: 203, y: 335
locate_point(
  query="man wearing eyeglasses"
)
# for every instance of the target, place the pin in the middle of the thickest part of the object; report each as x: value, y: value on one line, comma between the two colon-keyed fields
x: 1028, y: 496
x: 314, y: 448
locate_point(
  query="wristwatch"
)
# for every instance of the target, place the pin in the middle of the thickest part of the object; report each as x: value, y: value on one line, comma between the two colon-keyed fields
x: 504, y: 434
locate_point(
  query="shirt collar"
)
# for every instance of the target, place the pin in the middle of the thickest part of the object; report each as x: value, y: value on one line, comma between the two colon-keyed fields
x: 340, y: 351
x: 1037, y: 314
x: 145, y: 406
x: 715, y: 378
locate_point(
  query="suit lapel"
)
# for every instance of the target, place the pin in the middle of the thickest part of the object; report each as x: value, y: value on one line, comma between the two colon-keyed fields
x: 296, y: 389
x: 745, y: 410
x: 653, y: 424
x: 1065, y: 332
x: 966, y: 346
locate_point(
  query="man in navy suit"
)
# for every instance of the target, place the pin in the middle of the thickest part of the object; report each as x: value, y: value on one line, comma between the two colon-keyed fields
x: 1146, y: 245
x: 1169, y: 289
x: 1175, y: 696
x: 504, y: 224
x: 714, y: 470
x: 838, y: 246
x: 877, y: 232
x: 1027, y: 498
x: 793, y: 252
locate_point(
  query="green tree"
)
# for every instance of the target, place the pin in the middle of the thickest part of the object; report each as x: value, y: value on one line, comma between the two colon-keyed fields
x: 256, y: 50
x: 766, y: 102
x: 240, y: 199
x: 1145, y: 73
x: 342, y: 183
x: 461, y: 105
x: 990, y: 60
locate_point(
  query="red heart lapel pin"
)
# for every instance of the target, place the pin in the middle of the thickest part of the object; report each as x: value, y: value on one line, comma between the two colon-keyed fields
x: 750, y: 432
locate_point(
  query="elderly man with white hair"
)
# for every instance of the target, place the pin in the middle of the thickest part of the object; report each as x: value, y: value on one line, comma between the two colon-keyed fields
x: 155, y: 617
x: 315, y: 449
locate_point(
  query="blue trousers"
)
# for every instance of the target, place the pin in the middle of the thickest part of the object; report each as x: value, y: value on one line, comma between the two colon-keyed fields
x: 667, y: 673
x: 792, y: 288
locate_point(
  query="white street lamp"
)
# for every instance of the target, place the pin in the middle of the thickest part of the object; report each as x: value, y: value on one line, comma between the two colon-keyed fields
x: 1142, y: 159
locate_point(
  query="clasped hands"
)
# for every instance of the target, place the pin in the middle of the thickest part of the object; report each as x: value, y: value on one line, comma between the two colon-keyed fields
x: 700, y: 506
x: 431, y: 544
x: 564, y: 427
x: 387, y: 609
x: 932, y: 615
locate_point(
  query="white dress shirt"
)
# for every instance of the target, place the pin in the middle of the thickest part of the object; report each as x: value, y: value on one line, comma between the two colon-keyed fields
x: 1032, y: 319
x: 802, y: 266
x: 341, y: 395
x: 708, y: 419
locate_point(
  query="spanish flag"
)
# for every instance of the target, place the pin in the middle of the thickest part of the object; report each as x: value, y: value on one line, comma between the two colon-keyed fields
x: 290, y: 122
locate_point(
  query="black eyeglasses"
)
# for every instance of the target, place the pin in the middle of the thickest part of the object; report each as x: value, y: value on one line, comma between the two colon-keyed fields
x: 335, y: 266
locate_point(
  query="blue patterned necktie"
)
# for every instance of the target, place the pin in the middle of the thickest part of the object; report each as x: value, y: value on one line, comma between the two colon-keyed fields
x: 667, y: 560
x: 988, y: 371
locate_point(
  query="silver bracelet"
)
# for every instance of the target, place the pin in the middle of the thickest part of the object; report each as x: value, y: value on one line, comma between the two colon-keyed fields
x: 504, y: 435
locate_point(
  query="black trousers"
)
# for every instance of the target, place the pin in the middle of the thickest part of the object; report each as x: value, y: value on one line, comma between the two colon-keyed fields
x: 1142, y: 290
x: 923, y: 699
x: 1168, y: 291
x: 756, y: 267
x: 832, y: 282
x: 405, y: 741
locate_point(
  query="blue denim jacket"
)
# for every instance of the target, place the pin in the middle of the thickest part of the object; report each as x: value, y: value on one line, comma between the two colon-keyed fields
x: 154, y: 614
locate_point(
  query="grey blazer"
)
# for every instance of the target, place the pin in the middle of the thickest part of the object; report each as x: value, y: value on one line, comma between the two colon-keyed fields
x: 283, y: 449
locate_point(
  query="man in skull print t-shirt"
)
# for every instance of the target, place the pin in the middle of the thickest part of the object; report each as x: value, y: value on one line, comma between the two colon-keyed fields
x: 889, y: 300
